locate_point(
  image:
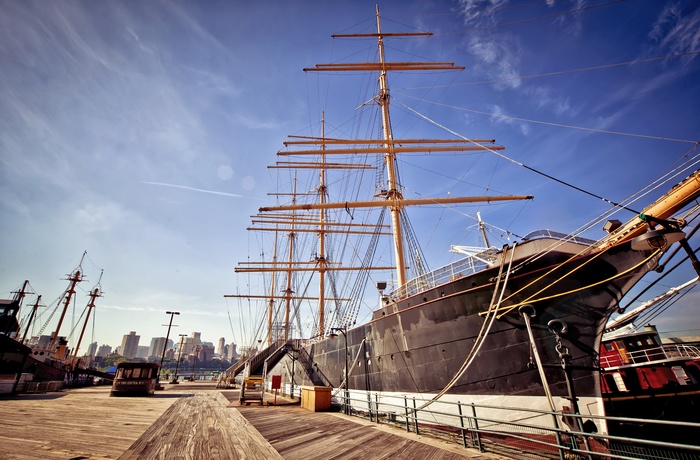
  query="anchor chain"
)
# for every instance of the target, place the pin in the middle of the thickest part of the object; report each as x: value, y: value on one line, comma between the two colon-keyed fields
x: 559, y: 328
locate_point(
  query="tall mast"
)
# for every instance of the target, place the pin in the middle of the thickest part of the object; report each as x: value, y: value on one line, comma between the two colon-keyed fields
x: 482, y: 229
x: 35, y: 307
x: 288, y: 291
x: 322, y: 236
x: 19, y: 295
x: 94, y: 294
x: 75, y: 278
x: 393, y: 193
x: 272, y: 295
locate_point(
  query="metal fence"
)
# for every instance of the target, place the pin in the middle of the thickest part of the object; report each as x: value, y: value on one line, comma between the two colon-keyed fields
x: 526, y: 433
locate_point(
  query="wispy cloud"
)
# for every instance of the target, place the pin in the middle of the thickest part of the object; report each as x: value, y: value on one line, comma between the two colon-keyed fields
x: 184, y: 187
x: 677, y: 31
x: 499, y: 116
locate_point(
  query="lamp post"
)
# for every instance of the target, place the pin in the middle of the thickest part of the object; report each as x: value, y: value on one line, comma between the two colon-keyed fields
x: 343, y: 330
x: 179, y: 356
x: 165, y: 345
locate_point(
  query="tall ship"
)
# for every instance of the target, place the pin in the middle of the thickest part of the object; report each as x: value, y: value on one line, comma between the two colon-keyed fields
x: 27, y: 354
x: 513, y: 326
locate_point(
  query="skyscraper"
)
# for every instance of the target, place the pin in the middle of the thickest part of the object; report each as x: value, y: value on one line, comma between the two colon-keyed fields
x: 220, y: 348
x: 92, y: 349
x: 130, y: 345
x: 157, y: 345
x: 104, y: 350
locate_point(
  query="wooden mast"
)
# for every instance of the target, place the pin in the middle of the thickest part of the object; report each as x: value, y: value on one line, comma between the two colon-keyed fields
x: 288, y: 292
x: 35, y: 308
x: 272, y: 294
x: 393, y: 193
x: 321, y: 259
x: 75, y: 278
x: 94, y: 294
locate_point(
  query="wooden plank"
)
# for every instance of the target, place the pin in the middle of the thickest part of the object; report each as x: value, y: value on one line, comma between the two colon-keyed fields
x: 201, y: 426
x: 80, y: 423
x: 299, y: 434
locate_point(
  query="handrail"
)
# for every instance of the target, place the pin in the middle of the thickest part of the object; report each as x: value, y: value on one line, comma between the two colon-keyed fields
x: 469, y: 265
x: 493, y: 428
x: 651, y: 355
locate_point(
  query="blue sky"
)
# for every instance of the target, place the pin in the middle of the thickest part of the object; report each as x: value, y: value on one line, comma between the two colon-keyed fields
x: 140, y: 132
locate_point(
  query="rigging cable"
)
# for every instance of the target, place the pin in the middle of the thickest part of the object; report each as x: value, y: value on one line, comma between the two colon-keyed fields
x: 559, y: 72
x: 519, y: 163
x: 655, y: 312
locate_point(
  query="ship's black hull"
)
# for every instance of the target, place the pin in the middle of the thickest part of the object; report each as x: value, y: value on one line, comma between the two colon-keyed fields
x: 417, y: 345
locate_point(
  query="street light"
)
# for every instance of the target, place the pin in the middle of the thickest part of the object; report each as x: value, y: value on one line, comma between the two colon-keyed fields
x: 165, y: 345
x: 343, y: 330
x: 179, y: 356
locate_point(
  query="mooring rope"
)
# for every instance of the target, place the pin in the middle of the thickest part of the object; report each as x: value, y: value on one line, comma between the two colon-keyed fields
x: 484, y: 332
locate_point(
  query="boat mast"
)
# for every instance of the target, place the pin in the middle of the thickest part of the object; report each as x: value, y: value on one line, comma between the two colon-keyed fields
x: 94, y: 294
x: 482, y: 229
x: 19, y: 295
x: 393, y: 193
x: 321, y: 259
x: 290, y: 268
x: 74, y: 279
x: 35, y: 307
x: 272, y: 295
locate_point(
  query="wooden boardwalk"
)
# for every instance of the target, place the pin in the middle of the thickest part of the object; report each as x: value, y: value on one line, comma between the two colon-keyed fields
x: 298, y: 434
x: 75, y: 424
x: 201, y: 427
x: 197, y: 422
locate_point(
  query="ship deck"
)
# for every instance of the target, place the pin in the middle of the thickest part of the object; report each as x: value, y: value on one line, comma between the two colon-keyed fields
x: 193, y: 421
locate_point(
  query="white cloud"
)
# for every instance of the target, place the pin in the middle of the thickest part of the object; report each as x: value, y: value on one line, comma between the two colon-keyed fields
x: 543, y: 98
x: 499, y: 57
x: 676, y: 30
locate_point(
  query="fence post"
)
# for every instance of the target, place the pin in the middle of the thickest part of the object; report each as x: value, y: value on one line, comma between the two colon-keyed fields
x: 558, y: 435
x: 476, y: 427
x: 461, y: 423
x: 405, y: 406
x: 415, y: 414
x: 376, y: 405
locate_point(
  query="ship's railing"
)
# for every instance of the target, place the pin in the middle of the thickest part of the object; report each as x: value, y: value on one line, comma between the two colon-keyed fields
x: 650, y: 355
x: 470, y: 265
x: 537, y: 234
x: 682, y: 351
x: 526, y: 433
x: 458, y: 269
